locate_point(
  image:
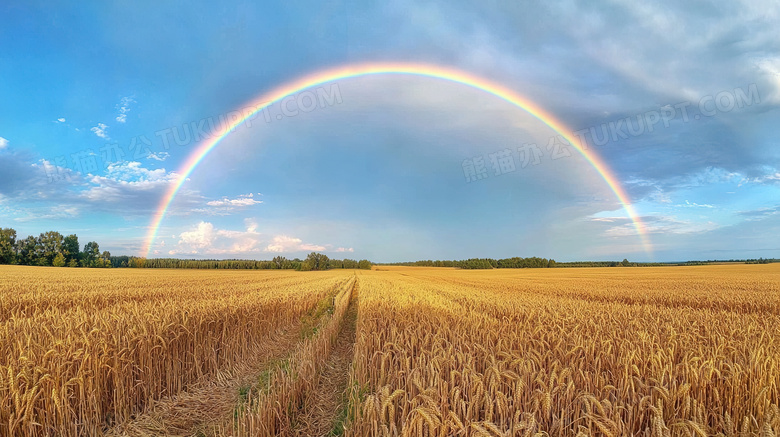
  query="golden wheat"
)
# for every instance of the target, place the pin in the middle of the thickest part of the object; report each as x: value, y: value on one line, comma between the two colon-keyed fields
x: 674, y: 351
x: 594, y: 352
x: 82, y: 350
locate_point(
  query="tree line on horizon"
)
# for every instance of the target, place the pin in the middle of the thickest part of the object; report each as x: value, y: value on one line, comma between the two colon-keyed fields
x: 314, y: 261
x: 56, y: 250
x: 482, y: 263
x: 535, y: 262
x: 53, y: 249
x: 517, y: 263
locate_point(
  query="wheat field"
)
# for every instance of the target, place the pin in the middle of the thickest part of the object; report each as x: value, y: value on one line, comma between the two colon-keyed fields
x: 652, y: 351
x: 603, y: 351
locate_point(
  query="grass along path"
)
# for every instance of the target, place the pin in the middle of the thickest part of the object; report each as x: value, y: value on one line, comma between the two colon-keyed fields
x: 275, y: 406
x: 321, y: 415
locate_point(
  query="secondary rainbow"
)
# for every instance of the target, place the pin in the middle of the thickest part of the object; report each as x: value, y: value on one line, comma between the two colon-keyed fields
x: 415, y: 69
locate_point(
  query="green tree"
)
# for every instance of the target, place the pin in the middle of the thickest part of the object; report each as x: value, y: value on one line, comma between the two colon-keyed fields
x: 50, y: 244
x: 364, y: 264
x: 7, y: 246
x: 105, y: 260
x: 91, y: 254
x: 59, y: 260
x: 625, y: 263
x: 70, y: 247
x: 316, y: 261
x: 281, y: 262
x: 26, y: 251
x: 136, y: 262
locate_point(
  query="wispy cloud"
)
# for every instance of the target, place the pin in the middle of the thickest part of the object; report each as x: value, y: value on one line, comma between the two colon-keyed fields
x: 48, y: 213
x: 772, y: 176
x: 227, y: 206
x: 688, y: 204
x: 159, y: 156
x: 3, y: 143
x: 286, y: 244
x: 60, y: 120
x: 657, y: 224
x: 760, y: 213
x: 100, y: 130
x: 242, y: 200
x: 124, y: 107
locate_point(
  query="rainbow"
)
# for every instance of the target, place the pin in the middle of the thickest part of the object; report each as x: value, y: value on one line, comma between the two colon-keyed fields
x: 415, y: 69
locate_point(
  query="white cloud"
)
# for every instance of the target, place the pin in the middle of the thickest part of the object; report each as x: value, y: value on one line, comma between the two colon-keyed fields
x: 227, y: 206
x: 124, y: 188
x: 124, y: 108
x: 100, y: 130
x: 3, y: 143
x: 159, y: 156
x: 199, y: 238
x: 242, y: 200
x: 127, y: 180
x: 205, y: 239
x: 61, y: 120
x: 284, y: 244
x: 134, y: 171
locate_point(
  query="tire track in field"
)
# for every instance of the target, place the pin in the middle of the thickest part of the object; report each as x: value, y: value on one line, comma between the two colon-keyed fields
x: 325, y: 404
x: 202, y: 409
x: 193, y: 412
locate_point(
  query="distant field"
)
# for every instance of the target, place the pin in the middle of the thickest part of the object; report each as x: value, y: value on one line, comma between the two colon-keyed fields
x: 652, y: 351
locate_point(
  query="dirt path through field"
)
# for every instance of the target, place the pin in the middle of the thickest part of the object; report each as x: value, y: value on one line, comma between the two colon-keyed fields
x: 324, y: 407
x: 195, y: 411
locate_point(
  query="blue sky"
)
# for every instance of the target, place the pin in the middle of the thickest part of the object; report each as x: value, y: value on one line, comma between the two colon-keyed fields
x: 88, y: 94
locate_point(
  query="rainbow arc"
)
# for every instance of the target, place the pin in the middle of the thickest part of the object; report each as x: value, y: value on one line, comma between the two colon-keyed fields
x: 422, y: 70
